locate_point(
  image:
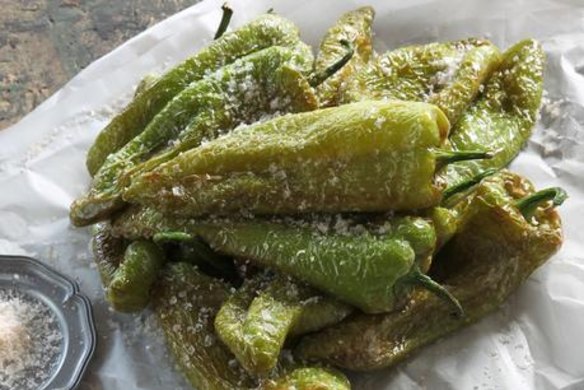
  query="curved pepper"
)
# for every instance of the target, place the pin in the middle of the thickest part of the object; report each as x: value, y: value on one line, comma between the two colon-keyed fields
x: 202, y: 111
x: 368, y: 156
x: 265, y: 31
x: 353, y: 27
x: 108, y: 251
x: 129, y: 289
x: 256, y: 327
x: 310, y: 378
x: 503, y: 116
x: 185, y: 302
x: 496, y: 249
x: 373, y: 272
x: 448, y: 74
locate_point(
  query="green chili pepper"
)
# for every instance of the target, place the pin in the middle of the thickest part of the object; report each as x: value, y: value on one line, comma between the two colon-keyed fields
x: 353, y: 27
x: 136, y: 222
x: 130, y: 286
x: 310, y: 378
x: 502, y: 118
x: 373, y: 272
x: 185, y: 303
x: 204, y: 110
x: 448, y: 74
x: 368, y: 156
x: 255, y: 327
x: 108, y: 252
x: 495, y: 250
x: 267, y: 30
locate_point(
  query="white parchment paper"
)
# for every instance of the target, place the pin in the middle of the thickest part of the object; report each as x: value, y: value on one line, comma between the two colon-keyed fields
x: 535, y: 341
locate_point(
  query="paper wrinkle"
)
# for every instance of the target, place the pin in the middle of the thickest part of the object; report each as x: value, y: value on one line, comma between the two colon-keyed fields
x: 535, y: 341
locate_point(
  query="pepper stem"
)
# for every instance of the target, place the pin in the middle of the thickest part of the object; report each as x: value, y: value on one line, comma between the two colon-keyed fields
x: 225, y: 19
x: 171, y: 236
x: 465, y: 185
x: 421, y: 279
x: 318, y: 78
x: 530, y: 203
x: 444, y: 157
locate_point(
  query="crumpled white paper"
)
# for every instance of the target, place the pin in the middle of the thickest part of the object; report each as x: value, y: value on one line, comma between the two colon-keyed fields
x: 535, y: 341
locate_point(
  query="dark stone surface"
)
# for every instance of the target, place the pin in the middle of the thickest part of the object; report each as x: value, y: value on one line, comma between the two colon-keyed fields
x: 44, y: 43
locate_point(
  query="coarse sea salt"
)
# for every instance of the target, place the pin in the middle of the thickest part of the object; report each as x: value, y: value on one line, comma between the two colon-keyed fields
x: 31, y: 341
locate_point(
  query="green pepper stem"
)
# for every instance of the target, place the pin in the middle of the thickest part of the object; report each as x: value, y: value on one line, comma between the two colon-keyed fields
x: 318, y: 78
x: 444, y: 157
x: 225, y: 19
x: 465, y: 185
x: 530, y: 203
x: 171, y: 236
x: 421, y: 279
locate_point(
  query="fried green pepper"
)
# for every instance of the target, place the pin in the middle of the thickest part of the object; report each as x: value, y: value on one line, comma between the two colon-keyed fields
x: 202, y: 111
x: 310, y: 378
x: 449, y: 75
x: 265, y: 31
x: 367, y: 156
x: 108, y: 251
x: 256, y: 327
x: 373, y: 272
x: 353, y: 27
x: 185, y: 302
x: 495, y: 250
x: 129, y: 289
x: 504, y: 115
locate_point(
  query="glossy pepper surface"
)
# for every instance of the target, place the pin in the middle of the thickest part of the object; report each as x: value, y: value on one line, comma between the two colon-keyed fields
x: 373, y: 272
x: 201, y: 111
x: 447, y: 74
x: 310, y: 378
x: 265, y: 31
x: 185, y: 302
x: 256, y: 320
x: 495, y: 250
x: 353, y: 27
x: 131, y: 284
x: 503, y: 116
x: 368, y: 156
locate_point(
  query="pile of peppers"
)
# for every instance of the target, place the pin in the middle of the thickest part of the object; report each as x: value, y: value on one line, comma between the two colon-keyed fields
x: 287, y: 216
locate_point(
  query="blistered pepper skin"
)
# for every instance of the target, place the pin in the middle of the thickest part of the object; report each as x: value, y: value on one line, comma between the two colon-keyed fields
x: 201, y: 111
x: 310, y: 378
x: 447, y: 74
x: 368, y: 156
x: 265, y: 31
x: 131, y: 284
x: 108, y: 252
x: 255, y: 328
x: 363, y: 270
x: 353, y: 27
x: 256, y: 320
x: 185, y: 302
x: 503, y: 117
x: 495, y: 250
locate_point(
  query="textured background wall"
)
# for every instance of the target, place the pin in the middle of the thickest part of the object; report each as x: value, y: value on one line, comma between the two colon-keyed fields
x: 44, y: 43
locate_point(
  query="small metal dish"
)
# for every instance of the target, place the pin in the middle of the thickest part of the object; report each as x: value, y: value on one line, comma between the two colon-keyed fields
x: 71, y: 308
